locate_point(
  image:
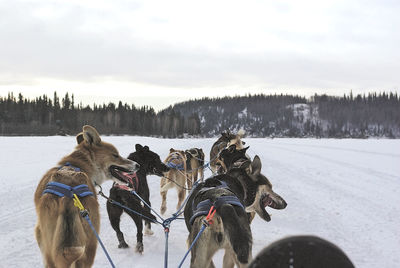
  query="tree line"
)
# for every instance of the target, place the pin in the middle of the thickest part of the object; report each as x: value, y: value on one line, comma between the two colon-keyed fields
x: 278, y: 115
x: 371, y: 115
x: 61, y: 116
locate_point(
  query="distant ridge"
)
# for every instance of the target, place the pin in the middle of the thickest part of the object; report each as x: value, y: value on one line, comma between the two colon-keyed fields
x: 361, y: 116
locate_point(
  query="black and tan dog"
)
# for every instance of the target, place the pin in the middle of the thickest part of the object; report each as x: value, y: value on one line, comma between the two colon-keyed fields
x: 64, y: 237
x: 150, y: 164
x: 232, y: 194
x: 227, y: 139
x: 230, y: 158
x: 194, y: 165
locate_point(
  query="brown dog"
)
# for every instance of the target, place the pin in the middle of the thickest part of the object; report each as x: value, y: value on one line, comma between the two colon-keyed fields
x: 64, y: 237
x: 176, y: 177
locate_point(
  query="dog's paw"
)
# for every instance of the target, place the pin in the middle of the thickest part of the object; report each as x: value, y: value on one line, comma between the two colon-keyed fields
x: 123, y: 245
x: 139, y: 247
x: 148, y: 231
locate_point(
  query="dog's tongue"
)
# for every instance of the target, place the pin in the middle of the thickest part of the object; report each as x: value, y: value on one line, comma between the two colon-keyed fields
x: 267, y: 201
x: 128, y: 176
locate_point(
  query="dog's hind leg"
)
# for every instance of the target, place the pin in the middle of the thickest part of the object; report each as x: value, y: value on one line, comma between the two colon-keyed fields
x: 114, y: 214
x: 205, y: 247
x: 229, y: 258
x: 139, y: 233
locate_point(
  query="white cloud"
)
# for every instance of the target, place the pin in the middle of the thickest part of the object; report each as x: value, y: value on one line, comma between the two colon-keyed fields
x: 167, y: 47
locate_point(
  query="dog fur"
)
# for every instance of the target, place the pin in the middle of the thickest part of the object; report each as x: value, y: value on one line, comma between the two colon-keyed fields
x: 194, y: 165
x: 227, y: 139
x: 231, y: 227
x: 64, y: 237
x: 174, y: 178
x: 232, y: 158
x: 150, y: 164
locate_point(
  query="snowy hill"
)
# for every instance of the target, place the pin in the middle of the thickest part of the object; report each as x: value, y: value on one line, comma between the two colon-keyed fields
x: 346, y: 191
x: 293, y: 116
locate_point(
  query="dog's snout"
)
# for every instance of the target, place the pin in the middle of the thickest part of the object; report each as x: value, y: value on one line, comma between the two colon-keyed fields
x: 282, y: 203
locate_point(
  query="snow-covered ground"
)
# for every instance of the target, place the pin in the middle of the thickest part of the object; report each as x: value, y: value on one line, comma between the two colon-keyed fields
x: 346, y: 191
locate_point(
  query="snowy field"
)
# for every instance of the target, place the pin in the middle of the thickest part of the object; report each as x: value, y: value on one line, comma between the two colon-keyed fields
x: 345, y: 191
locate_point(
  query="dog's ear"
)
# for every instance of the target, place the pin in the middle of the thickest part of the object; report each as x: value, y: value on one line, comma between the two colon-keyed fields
x: 90, y: 135
x: 171, y: 150
x: 138, y: 147
x: 146, y: 148
x: 256, y: 166
x: 79, y: 138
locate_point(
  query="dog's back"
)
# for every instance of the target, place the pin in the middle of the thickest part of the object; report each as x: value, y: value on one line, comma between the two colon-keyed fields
x: 62, y: 236
x: 230, y: 228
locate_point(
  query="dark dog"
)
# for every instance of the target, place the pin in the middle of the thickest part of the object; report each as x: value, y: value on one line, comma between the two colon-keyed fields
x: 230, y: 229
x: 232, y: 158
x: 227, y: 139
x: 302, y: 251
x: 195, y: 164
x: 150, y: 164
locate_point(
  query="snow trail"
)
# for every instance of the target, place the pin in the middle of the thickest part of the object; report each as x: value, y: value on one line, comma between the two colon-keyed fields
x: 345, y: 191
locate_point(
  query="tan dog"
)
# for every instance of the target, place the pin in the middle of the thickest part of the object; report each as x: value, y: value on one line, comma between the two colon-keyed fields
x: 64, y: 237
x: 175, y: 177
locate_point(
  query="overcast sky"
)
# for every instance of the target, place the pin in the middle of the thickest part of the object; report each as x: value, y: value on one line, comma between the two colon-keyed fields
x: 160, y: 52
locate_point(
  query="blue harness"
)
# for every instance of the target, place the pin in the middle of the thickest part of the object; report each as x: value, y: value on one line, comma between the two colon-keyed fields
x: 61, y: 189
x: 175, y: 166
x: 204, y: 206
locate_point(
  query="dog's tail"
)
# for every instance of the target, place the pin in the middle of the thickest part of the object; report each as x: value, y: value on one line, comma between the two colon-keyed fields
x: 69, y: 236
x: 237, y: 228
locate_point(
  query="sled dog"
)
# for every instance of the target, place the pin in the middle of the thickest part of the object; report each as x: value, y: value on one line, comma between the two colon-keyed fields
x: 227, y: 138
x: 64, y: 237
x: 232, y: 194
x: 176, y: 177
x: 150, y: 164
x: 194, y: 165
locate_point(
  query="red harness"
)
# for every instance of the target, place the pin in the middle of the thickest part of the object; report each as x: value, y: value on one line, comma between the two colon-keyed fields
x: 134, y: 183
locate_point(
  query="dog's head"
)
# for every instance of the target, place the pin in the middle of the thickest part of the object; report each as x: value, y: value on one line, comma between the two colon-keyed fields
x: 231, y: 157
x: 236, y: 139
x: 149, y: 161
x: 177, y: 154
x: 264, y: 196
x: 105, y: 161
